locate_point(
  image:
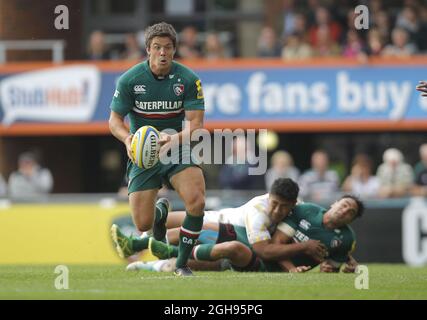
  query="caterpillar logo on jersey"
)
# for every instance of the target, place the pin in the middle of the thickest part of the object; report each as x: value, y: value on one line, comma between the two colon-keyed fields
x: 178, y: 88
x: 188, y: 240
x: 139, y: 89
x: 304, y: 224
x: 300, y: 237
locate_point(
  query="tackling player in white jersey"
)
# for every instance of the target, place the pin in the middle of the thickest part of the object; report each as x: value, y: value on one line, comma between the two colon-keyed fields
x: 252, y: 224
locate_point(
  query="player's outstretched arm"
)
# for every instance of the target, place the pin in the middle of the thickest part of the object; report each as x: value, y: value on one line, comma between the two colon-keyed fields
x: 194, y: 121
x: 351, y: 265
x: 288, y: 266
x: 328, y: 267
x: 281, y: 247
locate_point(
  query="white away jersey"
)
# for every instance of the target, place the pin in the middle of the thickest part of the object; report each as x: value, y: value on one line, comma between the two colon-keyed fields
x: 252, y: 215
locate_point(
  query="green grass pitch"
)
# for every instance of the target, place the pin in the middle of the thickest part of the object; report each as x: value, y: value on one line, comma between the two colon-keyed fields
x: 112, y: 282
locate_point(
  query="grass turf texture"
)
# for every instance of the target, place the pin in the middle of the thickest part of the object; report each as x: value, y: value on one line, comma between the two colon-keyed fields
x: 112, y: 282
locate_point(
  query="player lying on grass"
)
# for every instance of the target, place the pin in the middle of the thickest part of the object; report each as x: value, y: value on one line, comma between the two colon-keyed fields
x: 306, y: 222
x: 253, y: 224
x: 331, y: 227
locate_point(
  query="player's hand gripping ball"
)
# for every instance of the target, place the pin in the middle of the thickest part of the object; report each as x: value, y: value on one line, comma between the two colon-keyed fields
x: 145, y: 147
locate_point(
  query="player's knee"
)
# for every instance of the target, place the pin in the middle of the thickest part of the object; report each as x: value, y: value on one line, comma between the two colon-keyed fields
x: 195, y: 204
x: 142, y: 227
x: 144, y: 224
x: 232, y: 248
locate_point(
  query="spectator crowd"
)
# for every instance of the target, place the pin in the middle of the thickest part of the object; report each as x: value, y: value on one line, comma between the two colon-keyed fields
x: 29, y: 182
x: 312, y: 28
x: 393, y: 178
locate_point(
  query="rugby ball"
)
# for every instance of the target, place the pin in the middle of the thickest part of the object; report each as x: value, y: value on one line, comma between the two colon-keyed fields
x: 145, y: 147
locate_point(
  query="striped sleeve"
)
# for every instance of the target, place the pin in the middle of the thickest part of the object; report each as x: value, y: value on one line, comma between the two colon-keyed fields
x: 286, y: 229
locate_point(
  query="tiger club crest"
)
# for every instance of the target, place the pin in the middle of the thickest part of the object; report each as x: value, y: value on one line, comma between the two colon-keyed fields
x: 178, y: 88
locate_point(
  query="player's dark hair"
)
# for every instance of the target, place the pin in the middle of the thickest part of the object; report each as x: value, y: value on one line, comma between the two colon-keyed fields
x: 161, y: 29
x: 359, y: 203
x: 285, y: 188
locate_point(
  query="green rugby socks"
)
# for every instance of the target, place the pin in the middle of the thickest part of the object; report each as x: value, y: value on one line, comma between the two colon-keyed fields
x: 188, y: 235
x: 161, y: 212
x: 202, y: 252
x: 140, y: 244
